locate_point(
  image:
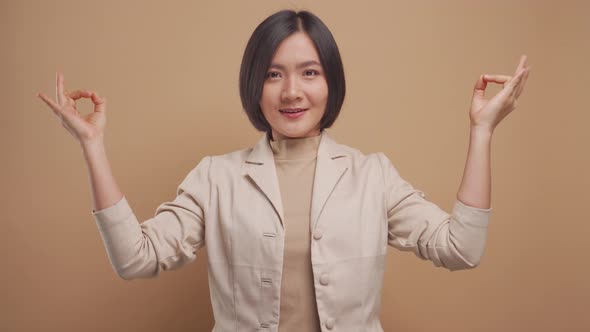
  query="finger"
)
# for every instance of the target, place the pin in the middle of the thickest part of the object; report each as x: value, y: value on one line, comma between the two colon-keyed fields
x: 501, y: 79
x: 77, y: 94
x: 59, y: 88
x: 521, y: 64
x: 53, y: 105
x: 515, y: 81
x: 99, y: 103
x: 522, y: 84
x: 479, y: 90
x: 508, y: 89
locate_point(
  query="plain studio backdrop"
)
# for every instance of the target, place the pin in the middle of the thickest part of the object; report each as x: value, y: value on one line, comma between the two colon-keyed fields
x: 170, y: 74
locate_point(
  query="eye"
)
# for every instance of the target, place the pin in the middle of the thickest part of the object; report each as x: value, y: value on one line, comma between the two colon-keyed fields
x: 272, y: 74
x: 311, y: 72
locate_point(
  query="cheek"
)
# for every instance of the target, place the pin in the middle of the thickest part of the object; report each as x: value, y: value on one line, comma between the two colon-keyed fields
x: 264, y: 95
x: 264, y: 101
x: 268, y: 95
x: 320, y: 94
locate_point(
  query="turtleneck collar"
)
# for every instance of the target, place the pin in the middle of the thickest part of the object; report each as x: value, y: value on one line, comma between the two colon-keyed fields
x: 295, y: 148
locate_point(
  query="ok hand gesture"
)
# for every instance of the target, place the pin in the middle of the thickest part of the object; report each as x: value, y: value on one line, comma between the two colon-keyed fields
x: 84, y: 128
x: 486, y: 114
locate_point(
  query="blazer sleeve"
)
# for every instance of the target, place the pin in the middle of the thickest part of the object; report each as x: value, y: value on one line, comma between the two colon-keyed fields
x: 454, y: 241
x: 167, y: 241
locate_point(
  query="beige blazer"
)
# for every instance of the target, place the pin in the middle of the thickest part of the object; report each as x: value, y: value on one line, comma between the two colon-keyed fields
x: 232, y: 204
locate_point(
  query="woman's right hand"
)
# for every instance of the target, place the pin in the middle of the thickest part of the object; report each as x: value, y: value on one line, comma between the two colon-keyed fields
x: 85, y: 128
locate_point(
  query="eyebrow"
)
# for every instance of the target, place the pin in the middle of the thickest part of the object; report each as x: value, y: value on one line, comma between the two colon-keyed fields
x: 299, y: 65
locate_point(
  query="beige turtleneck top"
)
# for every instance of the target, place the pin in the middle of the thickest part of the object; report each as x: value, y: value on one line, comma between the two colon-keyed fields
x: 295, y: 161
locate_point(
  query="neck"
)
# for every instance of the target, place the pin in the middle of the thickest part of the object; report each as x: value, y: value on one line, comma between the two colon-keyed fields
x: 276, y: 136
x: 295, y: 148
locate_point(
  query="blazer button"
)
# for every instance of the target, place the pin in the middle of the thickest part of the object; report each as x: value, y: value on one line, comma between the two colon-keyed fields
x: 317, y: 235
x: 330, y: 323
x: 324, y: 279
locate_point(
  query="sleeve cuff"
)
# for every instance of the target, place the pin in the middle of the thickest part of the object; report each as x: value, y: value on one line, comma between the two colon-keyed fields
x: 113, y: 214
x: 472, y: 215
x: 473, y: 207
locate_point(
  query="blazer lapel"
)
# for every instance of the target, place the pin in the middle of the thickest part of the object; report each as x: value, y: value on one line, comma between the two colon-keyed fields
x: 260, y: 167
x: 331, y: 164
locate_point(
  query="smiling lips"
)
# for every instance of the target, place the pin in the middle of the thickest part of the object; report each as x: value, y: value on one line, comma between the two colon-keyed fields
x: 293, y: 110
x: 293, y: 113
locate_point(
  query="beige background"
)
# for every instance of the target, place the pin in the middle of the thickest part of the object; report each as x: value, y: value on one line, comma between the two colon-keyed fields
x: 170, y: 75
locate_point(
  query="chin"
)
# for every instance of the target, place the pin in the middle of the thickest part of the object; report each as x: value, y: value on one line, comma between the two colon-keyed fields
x: 297, y: 133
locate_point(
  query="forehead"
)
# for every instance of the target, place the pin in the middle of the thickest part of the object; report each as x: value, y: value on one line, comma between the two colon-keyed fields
x: 295, y: 48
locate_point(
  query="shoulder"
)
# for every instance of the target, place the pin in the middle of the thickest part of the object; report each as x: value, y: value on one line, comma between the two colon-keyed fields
x: 229, y: 163
x: 375, y: 163
x: 359, y: 156
x: 371, y: 162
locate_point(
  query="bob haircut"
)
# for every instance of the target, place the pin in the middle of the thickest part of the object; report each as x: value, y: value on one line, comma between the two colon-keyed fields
x: 260, y: 49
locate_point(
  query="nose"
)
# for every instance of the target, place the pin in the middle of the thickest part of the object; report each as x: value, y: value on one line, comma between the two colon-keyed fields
x: 291, y: 90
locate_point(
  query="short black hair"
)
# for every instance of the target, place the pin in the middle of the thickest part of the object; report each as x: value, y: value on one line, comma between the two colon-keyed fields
x: 260, y: 49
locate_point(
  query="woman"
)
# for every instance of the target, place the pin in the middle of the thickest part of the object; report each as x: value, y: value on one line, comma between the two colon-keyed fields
x: 296, y: 227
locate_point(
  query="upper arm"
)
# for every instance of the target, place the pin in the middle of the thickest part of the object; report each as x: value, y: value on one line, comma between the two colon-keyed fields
x: 454, y: 241
x: 177, y: 230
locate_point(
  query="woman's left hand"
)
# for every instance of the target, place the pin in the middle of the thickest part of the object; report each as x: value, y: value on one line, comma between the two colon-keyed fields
x: 486, y: 114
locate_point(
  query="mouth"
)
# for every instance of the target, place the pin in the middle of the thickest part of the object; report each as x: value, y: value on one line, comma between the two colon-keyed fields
x: 292, y: 110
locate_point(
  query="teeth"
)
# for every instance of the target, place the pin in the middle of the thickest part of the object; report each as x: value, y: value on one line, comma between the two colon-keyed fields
x: 292, y: 111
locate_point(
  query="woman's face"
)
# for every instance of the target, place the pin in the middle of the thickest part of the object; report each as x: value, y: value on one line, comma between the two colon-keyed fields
x: 295, y: 81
